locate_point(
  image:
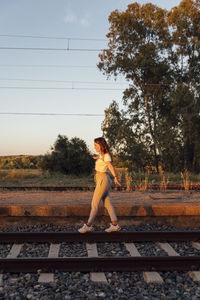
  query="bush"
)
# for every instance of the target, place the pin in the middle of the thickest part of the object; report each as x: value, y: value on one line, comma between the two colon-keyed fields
x: 68, y: 157
x: 19, y: 162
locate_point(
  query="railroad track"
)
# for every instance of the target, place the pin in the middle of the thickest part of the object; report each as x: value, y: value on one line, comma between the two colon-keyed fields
x: 132, y: 241
x: 195, y: 187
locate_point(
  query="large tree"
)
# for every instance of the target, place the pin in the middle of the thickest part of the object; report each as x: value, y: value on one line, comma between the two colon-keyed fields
x: 184, y: 22
x: 142, y: 47
x: 124, y: 142
x: 68, y: 157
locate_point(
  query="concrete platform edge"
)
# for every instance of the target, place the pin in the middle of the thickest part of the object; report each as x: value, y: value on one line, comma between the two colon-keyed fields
x: 83, y: 210
x: 103, y: 221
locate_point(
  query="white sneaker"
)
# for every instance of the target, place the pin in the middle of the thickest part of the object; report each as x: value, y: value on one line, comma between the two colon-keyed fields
x: 85, y: 229
x: 113, y: 228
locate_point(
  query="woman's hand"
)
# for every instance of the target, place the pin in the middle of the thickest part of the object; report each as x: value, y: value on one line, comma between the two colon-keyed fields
x: 95, y: 156
x: 112, y: 170
x: 117, y: 181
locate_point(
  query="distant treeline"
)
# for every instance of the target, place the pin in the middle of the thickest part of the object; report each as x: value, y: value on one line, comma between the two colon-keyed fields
x: 20, y: 161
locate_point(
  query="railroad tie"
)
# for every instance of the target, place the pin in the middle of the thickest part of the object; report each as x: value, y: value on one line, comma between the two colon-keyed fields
x: 53, y: 253
x: 196, y: 245
x: 1, y: 280
x: 46, y: 277
x: 14, y: 251
x: 149, y: 277
x: 168, y: 248
x: 54, y: 250
x: 195, y: 275
x: 95, y: 276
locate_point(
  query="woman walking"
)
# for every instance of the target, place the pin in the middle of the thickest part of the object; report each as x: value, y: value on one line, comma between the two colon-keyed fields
x: 103, y: 183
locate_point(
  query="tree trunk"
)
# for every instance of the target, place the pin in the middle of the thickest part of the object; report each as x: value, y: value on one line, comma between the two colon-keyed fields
x: 157, y: 146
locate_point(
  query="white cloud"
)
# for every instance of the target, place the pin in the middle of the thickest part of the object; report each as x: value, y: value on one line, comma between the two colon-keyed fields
x: 84, y: 22
x: 70, y: 17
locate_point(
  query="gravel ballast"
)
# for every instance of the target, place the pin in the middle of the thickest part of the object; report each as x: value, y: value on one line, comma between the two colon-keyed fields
x: 77, y: 285
x: 4, y: 250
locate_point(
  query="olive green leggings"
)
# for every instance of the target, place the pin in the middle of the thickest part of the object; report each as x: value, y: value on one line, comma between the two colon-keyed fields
x: 103, y: 184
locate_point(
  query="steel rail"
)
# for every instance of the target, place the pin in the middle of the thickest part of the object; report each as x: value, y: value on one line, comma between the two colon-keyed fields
x: 101, y: 264
x: 133, y: 236
x: 86, y: 188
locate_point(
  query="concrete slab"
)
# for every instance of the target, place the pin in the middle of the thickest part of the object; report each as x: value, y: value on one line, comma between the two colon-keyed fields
x: 46, y: 278
x: 173, y: 206
x: 149, y: 277
x: 195, y: 275
x: 14, y: 251
x: 54, y: 250
x: 168, y: 249
x: 152, y: 277
x: 1, y: 280
x: 92, y: 250
x: 196, y: 245
x: 98, y: 277
x: 58, y: 204
x: 131, y: 248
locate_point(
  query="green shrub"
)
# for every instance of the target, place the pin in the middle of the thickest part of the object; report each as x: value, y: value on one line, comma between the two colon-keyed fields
x: 68, y: 157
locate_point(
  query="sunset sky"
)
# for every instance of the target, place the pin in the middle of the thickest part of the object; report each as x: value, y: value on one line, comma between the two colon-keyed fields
x: 54, y: 81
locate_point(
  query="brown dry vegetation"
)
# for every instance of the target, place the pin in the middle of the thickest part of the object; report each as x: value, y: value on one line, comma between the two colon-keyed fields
x: 35, y: 177
x: 140, y: 180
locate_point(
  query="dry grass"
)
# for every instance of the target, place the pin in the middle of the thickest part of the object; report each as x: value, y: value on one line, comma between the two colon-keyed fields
x: 19, y: 173
x: 134, y: 180
x: 128, y: 179
x: 143, y: 180
x: 139, y: 180
x: 163, y: 179
x: 35, y: 177
x: 186, y: 180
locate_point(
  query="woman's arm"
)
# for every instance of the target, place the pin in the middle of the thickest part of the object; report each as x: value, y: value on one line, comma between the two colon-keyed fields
x: 112, y: 170
x: 95, y: 156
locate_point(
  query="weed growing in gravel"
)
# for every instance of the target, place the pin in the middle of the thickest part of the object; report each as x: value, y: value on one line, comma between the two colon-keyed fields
x: 186, y: 180
x: 163, y: 180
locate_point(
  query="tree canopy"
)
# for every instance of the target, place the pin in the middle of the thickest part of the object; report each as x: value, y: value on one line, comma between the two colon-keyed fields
x: 68, y: 157
x: 158, y: 53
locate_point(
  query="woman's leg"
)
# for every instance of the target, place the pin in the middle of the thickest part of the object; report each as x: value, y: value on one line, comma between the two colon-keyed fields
x: 108, y: 204
x: 101, y: 190
x: 111, y: 211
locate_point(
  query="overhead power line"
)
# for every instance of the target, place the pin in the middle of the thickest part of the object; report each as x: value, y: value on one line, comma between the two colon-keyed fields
x: 50, y: 114
x: 58, y: 88
x: 197, y: 42
x: 61, y: 81
x: 50, y: 49
x: 50, y: 37
x: 95, y: 88
x: 45, y: 66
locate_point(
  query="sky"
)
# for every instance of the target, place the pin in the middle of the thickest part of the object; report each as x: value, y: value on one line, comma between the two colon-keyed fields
x: 39, y: 89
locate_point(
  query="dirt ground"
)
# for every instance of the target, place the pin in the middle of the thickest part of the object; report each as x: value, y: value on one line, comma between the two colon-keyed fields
x: 84, y: 198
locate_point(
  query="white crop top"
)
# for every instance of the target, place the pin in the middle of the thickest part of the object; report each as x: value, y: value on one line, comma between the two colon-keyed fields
x: 100, y: 165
